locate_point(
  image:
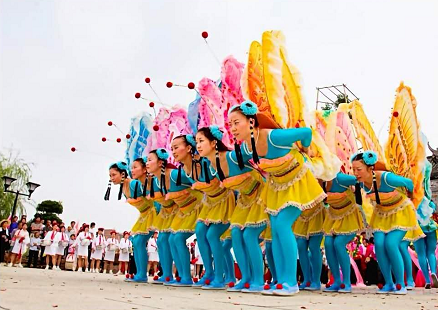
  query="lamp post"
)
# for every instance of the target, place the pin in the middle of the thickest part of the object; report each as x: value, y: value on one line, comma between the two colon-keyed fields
x: 31, y: 187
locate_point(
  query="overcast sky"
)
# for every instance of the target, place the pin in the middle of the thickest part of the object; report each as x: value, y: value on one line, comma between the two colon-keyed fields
x: 68, y: 67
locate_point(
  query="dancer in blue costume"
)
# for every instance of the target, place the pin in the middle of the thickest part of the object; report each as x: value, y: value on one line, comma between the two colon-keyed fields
x: 219, y: 204
x: 425, y: 245
x: 393, y: 216
x: 290, y: 188
x: 158, y: 166
x: 344, y: 221
x: 142, y: 229
x: 189, y: 202
x: 230, y: 275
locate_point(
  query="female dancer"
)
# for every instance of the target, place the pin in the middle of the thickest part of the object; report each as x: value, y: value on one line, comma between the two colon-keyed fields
x: 132, y: 190
x: 393, y: 216
x: 157, y: 166
x: 342, y: 223
x: 290, y: 188
x: 189, y: 202
x: 214, y: 218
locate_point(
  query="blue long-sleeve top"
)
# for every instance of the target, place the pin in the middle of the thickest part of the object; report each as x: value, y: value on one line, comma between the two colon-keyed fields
x: 132, y: 185
x: 186, y: 181
x: 342, y: 182
x: 390, y: 181
x: 280, y: 141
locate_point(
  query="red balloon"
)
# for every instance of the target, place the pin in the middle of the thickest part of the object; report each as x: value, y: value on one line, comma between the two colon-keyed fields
x: 110, y: 123
x: 151, y: 104
x: 395, y: 114
x: 103, y: 139
x: 169, y: 84
x: 119, y: 140
x: 128, y: 136
x: 191, y: 85
x: 205, y: 34
x: 137, y: 95
x: 156, y: 128
x: 147, y: 80
x: 73, y: 149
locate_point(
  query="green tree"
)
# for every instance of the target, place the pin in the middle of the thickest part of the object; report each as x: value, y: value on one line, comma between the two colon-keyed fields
x: 50, y: 210
x: 13, y: 166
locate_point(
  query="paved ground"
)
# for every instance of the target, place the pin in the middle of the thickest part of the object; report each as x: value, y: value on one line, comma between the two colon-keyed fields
x: 36, y: 289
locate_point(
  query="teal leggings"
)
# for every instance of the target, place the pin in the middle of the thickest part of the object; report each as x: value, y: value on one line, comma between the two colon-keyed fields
x: 181, y: 254
x: 165, y: 254
x: 270, y: 259
x: 284, y: 244
x: 425, y: 248
x: 407, y: 261
x: 311, y: 267
x: 337, y: 256
x: 140, y: 242
x: 229, y: 261
x: 214, y: 233
x: 387, y: 246
x: 204, y: 249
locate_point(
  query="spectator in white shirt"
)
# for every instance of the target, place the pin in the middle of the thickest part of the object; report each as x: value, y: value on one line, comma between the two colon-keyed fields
x: 34, y: 250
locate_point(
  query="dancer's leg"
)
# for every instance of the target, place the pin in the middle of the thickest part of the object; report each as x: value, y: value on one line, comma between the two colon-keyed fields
x: 303, y: 247
x: 205, y: 251
x: 285, y: 245
x: 420, y: 248
x: 270, y: 259
x: 184, y: 256
x: 241, y: 257
x: 332, y: 260
x: 165, y: 255
x: 214, y: 233
x: 174, y: 252
x: 383, y: 260
x: 392, y: 241
x: 407, y: 262
x: 431, y: 242
x: 340, y: 244
x: 228, y: 261
x: 316, y: 260
x: 141, y: 255
x: 251, y: 239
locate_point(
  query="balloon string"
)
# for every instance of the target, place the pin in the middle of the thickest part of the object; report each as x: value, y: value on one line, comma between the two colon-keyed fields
x: 211, y: 51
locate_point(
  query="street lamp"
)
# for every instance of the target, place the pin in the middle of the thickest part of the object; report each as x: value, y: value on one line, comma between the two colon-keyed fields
x: 31, y: 187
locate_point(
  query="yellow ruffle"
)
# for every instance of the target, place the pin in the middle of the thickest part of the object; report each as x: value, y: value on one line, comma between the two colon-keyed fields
x: 310, y: 222
x: 190, y: 203
x: 415, y: 234
x: 168, y: 211
x: 267, y: 233
x: 250, y: 209
x: 226, y: 235
x: 144, y: 223
x: 396, y: 211
x: 289, y: 183
x: 219, y: 203
x: 343, y: 215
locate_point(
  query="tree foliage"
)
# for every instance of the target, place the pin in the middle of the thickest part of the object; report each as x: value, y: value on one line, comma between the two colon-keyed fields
x: 50, y: 210
x: 12, y: 165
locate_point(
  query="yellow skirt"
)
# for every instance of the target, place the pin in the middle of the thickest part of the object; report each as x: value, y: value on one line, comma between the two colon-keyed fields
x: 303, y: 192
x: 165, y: 218
x: 343, y: 221
x: 186, y: 221
x: 145, y: 222
x: 310, y: 222
x: 267, y: 233
x: 220, y: 212
x: 401, y: 217
x: 415, y: 234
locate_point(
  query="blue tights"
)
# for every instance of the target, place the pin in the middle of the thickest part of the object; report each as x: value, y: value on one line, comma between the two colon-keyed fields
x: 181, y: 255
x: 204, y: 249
x: 248, y: 254
x: 229, y: 261
x: 214, y: 233
x: 337, y: 256
x: 311, y: 267
x: 141, y: 255
x: 389, y: 256
x: 284, y: 244
x: 425, y: 248
x: 407, y: 261
x: 165, y: 254
x: 270, y: 259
